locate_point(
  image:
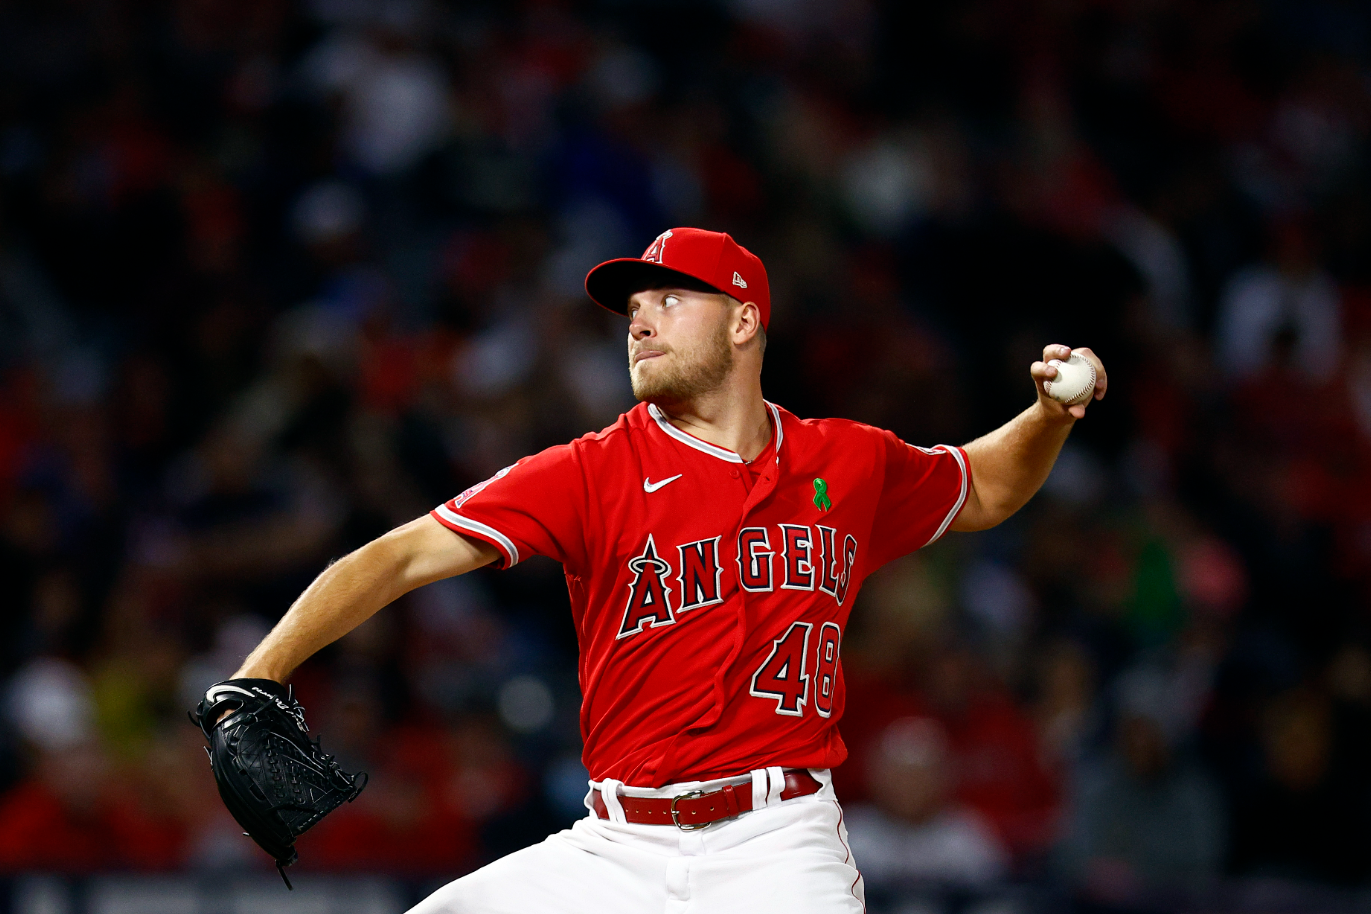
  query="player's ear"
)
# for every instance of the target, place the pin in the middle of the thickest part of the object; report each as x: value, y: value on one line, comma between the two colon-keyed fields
x: 746, y: 322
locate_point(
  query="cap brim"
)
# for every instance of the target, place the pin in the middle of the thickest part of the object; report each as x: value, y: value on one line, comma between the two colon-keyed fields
x: 611, y: 283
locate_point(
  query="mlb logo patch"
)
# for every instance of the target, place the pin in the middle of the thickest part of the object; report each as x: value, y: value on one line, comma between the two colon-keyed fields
x: 474, y: 490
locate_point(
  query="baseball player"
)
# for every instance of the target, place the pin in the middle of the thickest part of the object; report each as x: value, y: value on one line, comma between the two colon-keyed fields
x: 714, y: 545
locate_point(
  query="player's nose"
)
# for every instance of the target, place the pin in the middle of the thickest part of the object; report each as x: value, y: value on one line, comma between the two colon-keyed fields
x: 638, y: 326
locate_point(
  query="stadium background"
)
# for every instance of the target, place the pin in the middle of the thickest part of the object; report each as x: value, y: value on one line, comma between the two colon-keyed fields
x: 275, y: 277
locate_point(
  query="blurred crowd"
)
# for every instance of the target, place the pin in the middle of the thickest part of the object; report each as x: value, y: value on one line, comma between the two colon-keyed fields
x: 276, y: 277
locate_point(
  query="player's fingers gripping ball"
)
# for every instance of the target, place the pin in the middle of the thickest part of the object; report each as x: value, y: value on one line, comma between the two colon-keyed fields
x: 1075, y: 380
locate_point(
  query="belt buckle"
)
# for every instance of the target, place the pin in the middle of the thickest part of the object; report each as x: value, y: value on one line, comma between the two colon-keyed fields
x: 676, y: 816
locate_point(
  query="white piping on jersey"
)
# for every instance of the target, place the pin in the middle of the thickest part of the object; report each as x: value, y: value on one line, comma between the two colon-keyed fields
x: 961, y: 496
x: 780, y: 432
x: 466, y: 523
x: 712, y: 450
x: 684, y: 438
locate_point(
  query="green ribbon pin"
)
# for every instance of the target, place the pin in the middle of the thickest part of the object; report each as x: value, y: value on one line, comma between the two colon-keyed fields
x: 821, y: 499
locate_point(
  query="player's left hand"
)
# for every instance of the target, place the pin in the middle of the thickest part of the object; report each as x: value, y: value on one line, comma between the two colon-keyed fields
x: 276, y: 782
x: 1041, y: 371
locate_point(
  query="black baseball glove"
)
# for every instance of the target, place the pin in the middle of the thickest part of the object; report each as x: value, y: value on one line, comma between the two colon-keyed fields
x: 273, y: 778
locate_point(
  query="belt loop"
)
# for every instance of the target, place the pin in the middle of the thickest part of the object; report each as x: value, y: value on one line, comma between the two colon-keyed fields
x: 730, y: 800
x: 777, y: 778
x: 759, y: 780
x: 609, y: 792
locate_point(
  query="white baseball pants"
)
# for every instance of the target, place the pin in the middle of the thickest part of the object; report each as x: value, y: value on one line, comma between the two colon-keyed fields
x: 783, y: 857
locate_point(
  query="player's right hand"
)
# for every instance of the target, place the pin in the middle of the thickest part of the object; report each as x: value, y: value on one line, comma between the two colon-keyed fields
x: 1041, y: 372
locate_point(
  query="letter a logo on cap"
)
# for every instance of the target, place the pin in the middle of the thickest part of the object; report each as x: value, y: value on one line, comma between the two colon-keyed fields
x: 653, y: 254
x: 739, y: 281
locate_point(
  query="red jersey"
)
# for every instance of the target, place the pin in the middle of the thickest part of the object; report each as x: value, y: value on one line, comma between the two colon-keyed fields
x: 710, y: 594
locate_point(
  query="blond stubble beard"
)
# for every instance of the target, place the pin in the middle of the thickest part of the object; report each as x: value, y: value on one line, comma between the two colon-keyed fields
x: 696, y: 371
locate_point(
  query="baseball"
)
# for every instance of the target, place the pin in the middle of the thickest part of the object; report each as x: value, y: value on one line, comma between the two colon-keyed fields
x: 1074, y: 383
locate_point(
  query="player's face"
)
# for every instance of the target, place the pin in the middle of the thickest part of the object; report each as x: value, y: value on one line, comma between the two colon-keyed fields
x: 678, y: 344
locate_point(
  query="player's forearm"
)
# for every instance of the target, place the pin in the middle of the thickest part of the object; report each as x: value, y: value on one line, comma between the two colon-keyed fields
x: 1010, y: 464
x: 355, y: 587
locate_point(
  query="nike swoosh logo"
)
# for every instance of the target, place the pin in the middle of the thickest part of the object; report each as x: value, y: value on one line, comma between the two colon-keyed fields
x: 650, y: 486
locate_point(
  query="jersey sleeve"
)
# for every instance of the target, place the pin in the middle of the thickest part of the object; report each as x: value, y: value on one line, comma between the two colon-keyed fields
x: 923, y: 491
x: 534, y: 507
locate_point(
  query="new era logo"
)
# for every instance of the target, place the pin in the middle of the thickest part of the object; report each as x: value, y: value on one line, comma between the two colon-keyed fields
x: 739, y: 281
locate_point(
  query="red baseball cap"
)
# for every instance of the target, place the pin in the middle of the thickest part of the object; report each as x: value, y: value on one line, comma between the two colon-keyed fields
x: 713, y: 258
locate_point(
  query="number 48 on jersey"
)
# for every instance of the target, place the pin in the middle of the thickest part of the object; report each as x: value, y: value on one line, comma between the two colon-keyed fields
x: 786, y: 674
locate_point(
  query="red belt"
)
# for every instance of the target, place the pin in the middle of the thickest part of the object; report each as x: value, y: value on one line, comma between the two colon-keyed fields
x: 696, y: 809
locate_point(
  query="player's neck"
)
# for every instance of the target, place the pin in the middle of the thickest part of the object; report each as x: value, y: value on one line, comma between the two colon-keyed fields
x: 732, y: 418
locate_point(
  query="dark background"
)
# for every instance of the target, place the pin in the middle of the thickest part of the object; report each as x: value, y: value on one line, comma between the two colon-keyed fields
x: 276, y: 277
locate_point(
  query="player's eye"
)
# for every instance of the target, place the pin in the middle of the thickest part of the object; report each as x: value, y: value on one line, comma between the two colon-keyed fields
x: 669, y: 301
